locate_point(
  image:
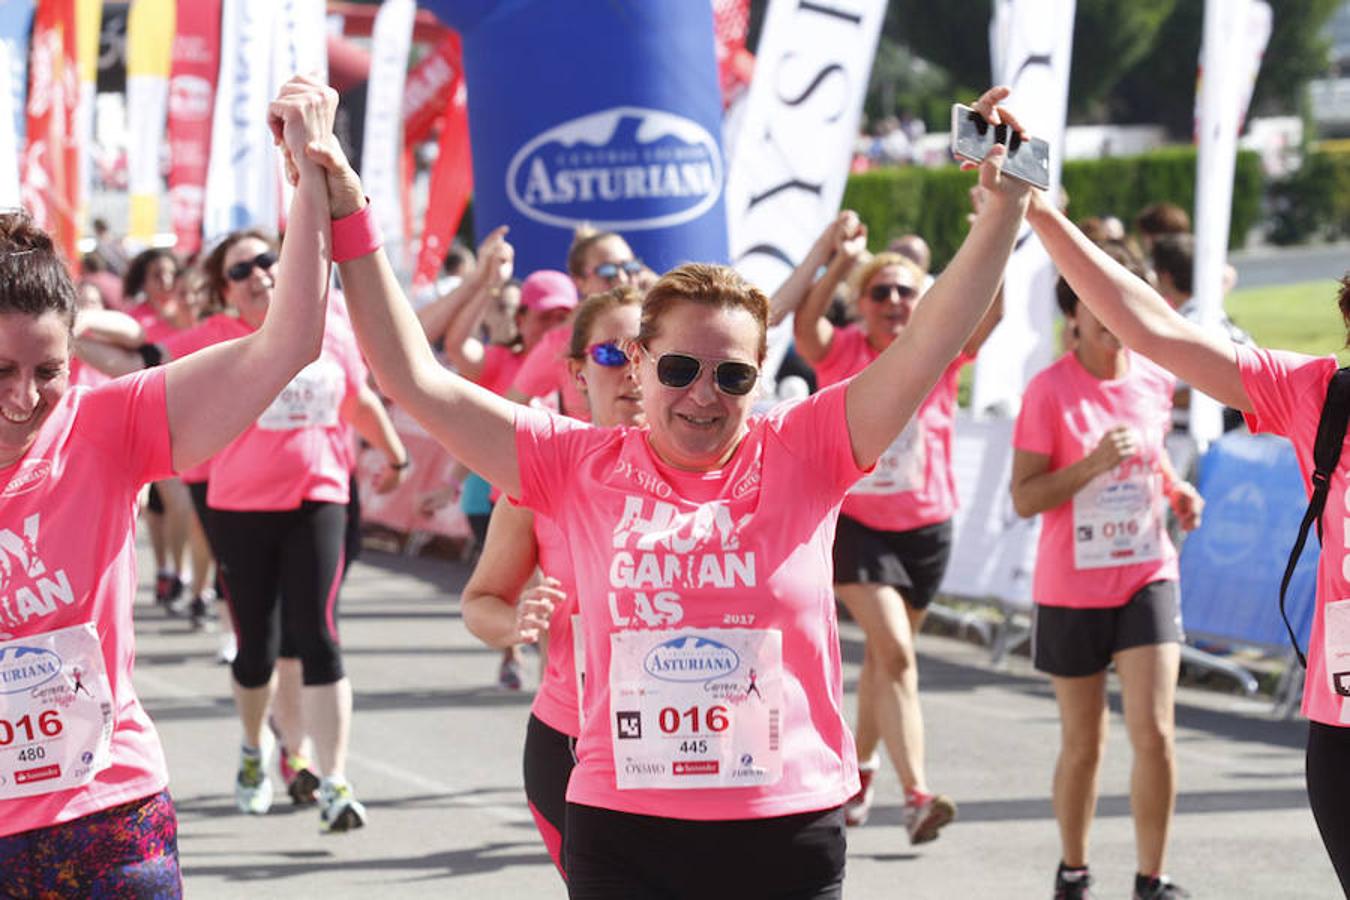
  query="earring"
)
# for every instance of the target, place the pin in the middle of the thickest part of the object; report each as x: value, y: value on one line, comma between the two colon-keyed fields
x: 581, y: 379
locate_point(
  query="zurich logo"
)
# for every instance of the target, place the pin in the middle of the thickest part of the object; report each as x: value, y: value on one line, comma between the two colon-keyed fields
x: 691, y: 659
x: 623, y: 169
x: 24, y: 668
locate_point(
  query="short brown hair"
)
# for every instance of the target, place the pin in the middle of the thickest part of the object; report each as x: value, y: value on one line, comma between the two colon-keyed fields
x: 592, y: 308
x: 719, y: 287
x: 583, y: 239
x: 34, y: 279
x: 214, y: 264
x: 1162, y: 218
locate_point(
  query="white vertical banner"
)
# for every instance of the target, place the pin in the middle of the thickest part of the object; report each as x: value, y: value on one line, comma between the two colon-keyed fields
x: 299, y: 48
x: 382, y: 143
x: 243, y: 180
x: 9, y: 143
x: 1030, y: 47
x: 796, y: 135
x: 1234, y: 39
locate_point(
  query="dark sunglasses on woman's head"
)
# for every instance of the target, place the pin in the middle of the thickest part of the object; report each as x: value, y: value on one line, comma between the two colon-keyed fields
x: 608, y: 354
x: 610, y: 271
x: 244, y: 268
x: 679, y: 370
x: 882, y: 292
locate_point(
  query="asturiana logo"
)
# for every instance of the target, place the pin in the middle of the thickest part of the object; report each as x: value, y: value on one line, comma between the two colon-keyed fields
x: 24, y: 668
x: 691, y: 659
x: 599, y: 168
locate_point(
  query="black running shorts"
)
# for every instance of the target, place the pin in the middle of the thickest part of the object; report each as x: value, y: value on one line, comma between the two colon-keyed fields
x: 1076, y: 642
x: 913, y: 562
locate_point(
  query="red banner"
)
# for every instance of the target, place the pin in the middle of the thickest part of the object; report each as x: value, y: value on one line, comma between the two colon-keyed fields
x: 192, y: 89
x: 430, y: 87
x: 451, y: 185
x: 50, y: 167
x: 735, y: 64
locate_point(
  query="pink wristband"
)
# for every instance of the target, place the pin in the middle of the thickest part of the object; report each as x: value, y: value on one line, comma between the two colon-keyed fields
x: 356, y: 235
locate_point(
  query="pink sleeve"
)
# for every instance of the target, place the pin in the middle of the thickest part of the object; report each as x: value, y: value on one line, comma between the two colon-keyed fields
x: 834, y: 366
x: 1282, y: 385
x: 494, y: 355
x: 815, y: 430
x: 538, y: 375
x: 547, y: 449
x: 1034, y: 430
x: 128, y: 418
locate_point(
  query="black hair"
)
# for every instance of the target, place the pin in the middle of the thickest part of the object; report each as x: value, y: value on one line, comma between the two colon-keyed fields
x: 34, y: 279
x: 134, y: 280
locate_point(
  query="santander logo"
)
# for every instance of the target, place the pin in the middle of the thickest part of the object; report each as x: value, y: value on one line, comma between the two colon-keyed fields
x: 190, y: 98
x: 622, y: 169
x: 27, y: 477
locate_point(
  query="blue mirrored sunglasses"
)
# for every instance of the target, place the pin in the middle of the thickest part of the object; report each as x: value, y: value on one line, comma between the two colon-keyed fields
x: 607, y: 354
x: 610, y: 271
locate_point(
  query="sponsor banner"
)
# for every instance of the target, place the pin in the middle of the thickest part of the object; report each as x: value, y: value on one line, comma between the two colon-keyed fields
x: 243, y: 175
x: 150, y: 28
x: 192, y: 87
x: 1234, y: 39
x: 50, y: 156
x: 566, y: 142
x: 1033, y: 59
x: 112, y: 48
x: 451, y: 185
x: 16, y: 22
x: 731, y: 22
x: 432, y: 84
x: 299, y: 47
x: 382, y: 141
x: 88, y: 18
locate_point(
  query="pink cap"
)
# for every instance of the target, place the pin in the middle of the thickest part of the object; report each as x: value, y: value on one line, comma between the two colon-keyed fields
x: 548, y: 289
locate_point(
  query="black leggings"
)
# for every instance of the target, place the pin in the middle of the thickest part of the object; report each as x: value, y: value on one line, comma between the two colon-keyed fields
x: 550, y: 757
x: 621, y: 855
x: 1328, y: 767
x: 282, y: 571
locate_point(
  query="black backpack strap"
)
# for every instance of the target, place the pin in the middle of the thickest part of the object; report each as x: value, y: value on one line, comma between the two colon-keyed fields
x: 1326, y: 455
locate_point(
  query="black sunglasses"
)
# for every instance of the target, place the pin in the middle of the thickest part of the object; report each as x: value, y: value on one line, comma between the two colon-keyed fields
x: 607, y: 354
x: 679, y: 370
x: 882, y: 292
x: 244, y: 268
x: 610, y: 271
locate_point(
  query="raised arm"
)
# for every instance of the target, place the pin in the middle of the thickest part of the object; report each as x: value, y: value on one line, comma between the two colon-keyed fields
x: 213, y: 395
x: 812, y: 333
x: 474, y: 424
x: 496, y: 260
x: 1136, y: 313
x: 792, y: 292
x: 883, y: 397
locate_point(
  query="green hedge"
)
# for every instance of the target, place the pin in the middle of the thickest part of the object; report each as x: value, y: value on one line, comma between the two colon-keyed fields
x: 1313, y: 202
x: 934, y: 202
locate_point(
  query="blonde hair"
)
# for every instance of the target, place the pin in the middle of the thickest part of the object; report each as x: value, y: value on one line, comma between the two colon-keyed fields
x: 583, y: 239
x: 592, y: 308
x: 863, y: 275
x: 719, y: 287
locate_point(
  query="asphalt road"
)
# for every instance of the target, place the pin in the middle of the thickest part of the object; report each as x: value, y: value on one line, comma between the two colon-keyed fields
x: 436, y: 756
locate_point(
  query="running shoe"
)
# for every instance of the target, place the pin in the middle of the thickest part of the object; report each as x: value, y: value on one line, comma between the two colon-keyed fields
x: 1160, y: 888
x: 1072, y: 884
x: 199, y: 609
x: 168, y: 588
x: 228, y: 650
x: 508, y: 675
x: 859, y: 806
x: 925, y: 815
x: 301, y: 783
x: 252, y: 787
x: 339, y: 810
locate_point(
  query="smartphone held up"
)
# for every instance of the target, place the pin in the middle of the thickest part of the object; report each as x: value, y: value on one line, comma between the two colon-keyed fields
x: 973, y: 137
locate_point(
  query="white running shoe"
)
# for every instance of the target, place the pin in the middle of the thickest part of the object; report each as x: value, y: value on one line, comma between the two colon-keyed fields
x: 339, y: 810
x: 229, y: 648
x: 925, y: 818
x: 252, y: 786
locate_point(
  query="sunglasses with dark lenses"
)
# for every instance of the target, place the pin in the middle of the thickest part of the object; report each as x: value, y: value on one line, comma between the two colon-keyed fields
x: 244, y: 268
x: 882, y: 292
x: 676, y: 370
x: 610, y: 271
x: 607, y: 354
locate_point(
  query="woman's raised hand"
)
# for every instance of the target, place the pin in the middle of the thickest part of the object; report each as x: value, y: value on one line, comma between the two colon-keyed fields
x: 992, y: 179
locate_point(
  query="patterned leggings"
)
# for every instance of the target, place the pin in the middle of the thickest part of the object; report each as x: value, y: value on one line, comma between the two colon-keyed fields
x: 126, y: 851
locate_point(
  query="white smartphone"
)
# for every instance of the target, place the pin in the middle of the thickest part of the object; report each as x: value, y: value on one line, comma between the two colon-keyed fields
x: 973, y: 137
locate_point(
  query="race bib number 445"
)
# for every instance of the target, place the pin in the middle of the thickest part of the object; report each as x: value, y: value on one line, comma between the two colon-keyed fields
x: 696, y: 708
x: 56, y: 714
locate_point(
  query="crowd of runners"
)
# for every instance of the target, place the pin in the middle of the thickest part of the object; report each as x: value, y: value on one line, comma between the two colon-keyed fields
x: 673, y: 542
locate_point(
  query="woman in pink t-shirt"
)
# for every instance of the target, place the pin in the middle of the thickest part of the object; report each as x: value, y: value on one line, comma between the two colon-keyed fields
x: 1279, y: 392
x: 1089, y: 456
x: 496, y: 610
x: 84, y: 809
x: 895, y: 531
x: 713, y: 742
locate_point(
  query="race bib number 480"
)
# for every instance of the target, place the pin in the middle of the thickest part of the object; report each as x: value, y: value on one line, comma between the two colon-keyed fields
x: 56, y: 714
x: 696, y: 708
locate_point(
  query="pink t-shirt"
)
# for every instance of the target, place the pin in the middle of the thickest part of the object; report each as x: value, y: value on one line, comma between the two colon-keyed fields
x: 156, y: 329
x: 713, y: 559
x: 545, y: 372
x: 299, y: 448
x: 556, y: 701
x: 913, y: 484
x: 1102, y: 546
x: 1287, y: 391
x: 68, y: 542
x: 500, y: 365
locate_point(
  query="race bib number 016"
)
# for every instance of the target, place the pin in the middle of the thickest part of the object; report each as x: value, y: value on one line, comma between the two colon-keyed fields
x: 696, y: 708
x: 1116, y: 522
x: 56, y: 718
